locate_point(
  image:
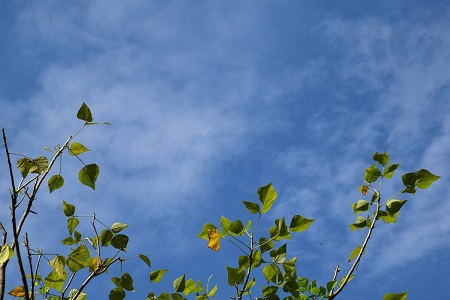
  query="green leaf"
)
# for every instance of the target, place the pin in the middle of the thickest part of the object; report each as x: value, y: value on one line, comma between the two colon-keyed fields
x: 24, y: 165
x: 280, y: 231
x: 69, y: 209
x: 145, y: 259
x: 72, y: 223
x: 360, y: 206
x: 204, y: 233
x: 269, y: 290
x: 190, y: 287
x: 225, y: 223
x: 105, y: 237
x: 252, y: 207
x: 267, y: 196
x: 79, y: 259
x: 299, y: 223
x: 120, y: 242
x: 73, y: 292
x: 257, y: 259
x: 392, y: 296
x: 278, y: 255
x: 421, y: 179
x: 244, y: 263
x: 372, y: 174
x: 382, y: 158
x: 392, y: 209
x: 359, y: 224
x: 127, y: 282
x: 235, y: 276
x: 77, y: 149
x: 39, y: 165
x: 54, y: 281
x: 272, y: 273
x: 84, y: 113
x: 179, y: 284
x: 213, y: 291
x: 331, y: 285
x: 6, y: 253
x: 157, y: 275
x: 55, y: 182
x: 265, y: 244
x: 118, y: 227
x: 117, y: 294
x: 57, y: 277
x: 88, y: 175
x: 389, y: 170
x: 68, y: 241
x: 236, y: 228
x: 354, y: 253
x: 289, y: 267
x: 393, y: 206
x: 343, y: 279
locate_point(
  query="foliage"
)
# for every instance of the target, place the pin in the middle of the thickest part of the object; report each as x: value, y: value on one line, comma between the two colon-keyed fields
x: 264, y: 251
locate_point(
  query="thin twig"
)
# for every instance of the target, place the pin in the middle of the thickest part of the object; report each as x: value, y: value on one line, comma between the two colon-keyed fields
x: 13, y: 219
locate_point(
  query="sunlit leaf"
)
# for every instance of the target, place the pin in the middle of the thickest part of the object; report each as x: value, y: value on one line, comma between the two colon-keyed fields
x: 105, y: 237
x: 269, y: 290
x: 360, y: 206
x: 382, y: 158
x: 24, y: 165
x: 69, y: 209
x: 73, y: 292
x: 79, y: 259
x: 225, y: 224
x: 299, y: 223
x: 72, y: 223
x: 88, y: 175
x: 278, y: 255
x: 280, y: 231
x: 421, y: 179
x: 359, y: 224
x: 55, y: 182
x: 157, y: 275
x: 265, y: 244
x: 39, y: 165
x: 267, y: 196
x: 58, y: 275
x: 6, y: 253
x: 179, y: 284
x: 372, y: 174
x: 118, y: 227
x: 390, y: 170
x: 204, y: 233
x: 272, y: 273
x: 252, y: 207
x: 354, y: 253
x: 77, y: 149
x: 214, y: 239
x: 84, y: 113
x: 392, y: 296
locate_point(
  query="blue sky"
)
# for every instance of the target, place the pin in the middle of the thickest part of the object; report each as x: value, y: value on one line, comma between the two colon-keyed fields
x: 209, y: 100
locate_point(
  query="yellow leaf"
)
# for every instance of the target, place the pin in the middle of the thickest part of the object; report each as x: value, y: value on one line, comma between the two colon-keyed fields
x: 18, y: 291
x: 214, y: 240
